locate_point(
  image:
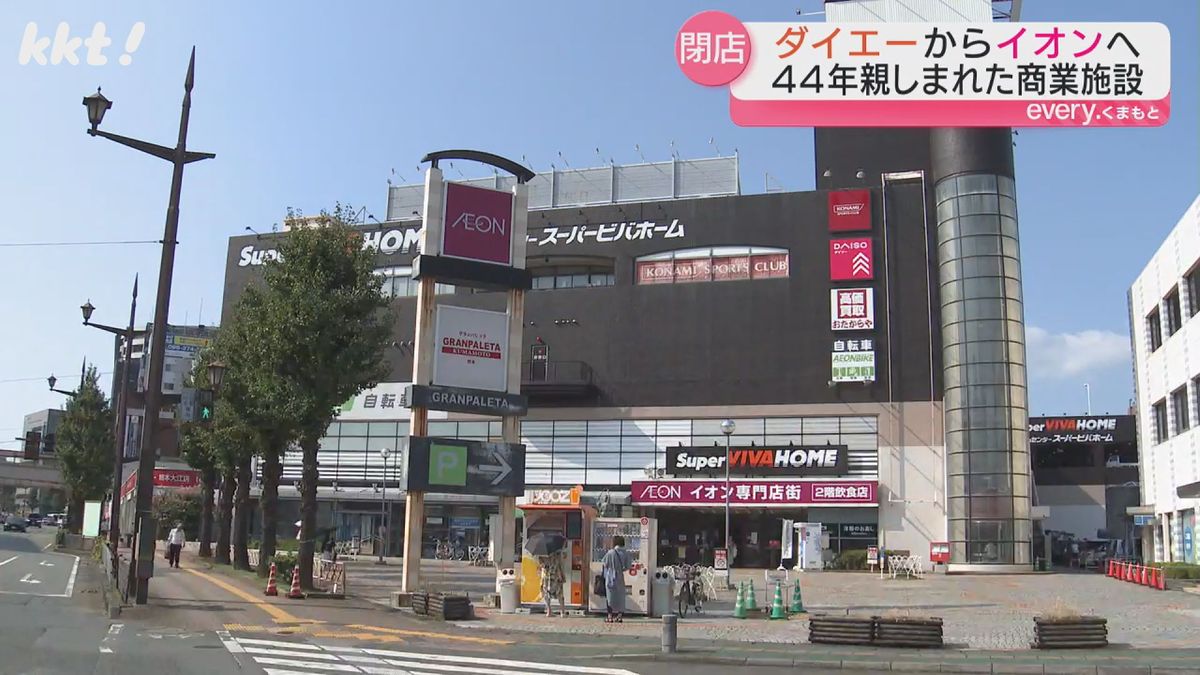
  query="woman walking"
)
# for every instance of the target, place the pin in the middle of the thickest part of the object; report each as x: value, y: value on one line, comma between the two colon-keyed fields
x: 614, y: 565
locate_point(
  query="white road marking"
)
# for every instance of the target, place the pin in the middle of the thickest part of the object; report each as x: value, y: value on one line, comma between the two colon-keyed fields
x: 113, y: 631
x: 47, y: 546
x: 2, y: 564
x: 43, y: 563
x: 282, y: 671
x: 273, y: 643
x: 408, y: 666
x: 445, y: 658
x: 71, y: 581
x: 312, y: 665
x: 290, y: 652
x: 28, y: 580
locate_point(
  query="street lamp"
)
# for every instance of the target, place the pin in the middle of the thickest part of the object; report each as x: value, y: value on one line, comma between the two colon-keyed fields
x: 127, y: 335
x: 727, y: 428
x: 383, y: 515
x: 216, y: 374
x: 52, y: 380
x: 179, y: 156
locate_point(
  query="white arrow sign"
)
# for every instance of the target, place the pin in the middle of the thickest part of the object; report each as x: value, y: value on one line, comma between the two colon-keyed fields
x: 27, y: 580
x: 861, y: 264
x: 502, y: 470
x: 46, y: 564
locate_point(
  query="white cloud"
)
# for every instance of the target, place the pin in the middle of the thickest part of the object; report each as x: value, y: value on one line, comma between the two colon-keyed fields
x: 1059, y: 355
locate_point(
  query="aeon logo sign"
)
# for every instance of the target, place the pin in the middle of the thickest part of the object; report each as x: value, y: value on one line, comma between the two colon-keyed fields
x: 477, y: 224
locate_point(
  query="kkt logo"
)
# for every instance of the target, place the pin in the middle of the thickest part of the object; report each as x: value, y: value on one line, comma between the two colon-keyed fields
x: 65, y: 48
x: 851, y: 259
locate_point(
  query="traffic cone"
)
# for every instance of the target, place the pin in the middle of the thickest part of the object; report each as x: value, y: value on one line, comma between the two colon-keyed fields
x: 777, y: 604
x: 797, y: 601
x: 739, y: 607
x: 1162, y: 579
x: 751, y: 598
x: 295, y: 593
x: 1108, y: 572
x: 271, y: 589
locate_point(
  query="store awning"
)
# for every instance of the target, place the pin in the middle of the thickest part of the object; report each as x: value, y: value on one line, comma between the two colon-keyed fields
x: 1189, y: 491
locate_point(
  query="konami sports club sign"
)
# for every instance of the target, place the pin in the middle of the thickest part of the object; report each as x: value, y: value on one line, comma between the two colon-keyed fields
x: 822, y: 460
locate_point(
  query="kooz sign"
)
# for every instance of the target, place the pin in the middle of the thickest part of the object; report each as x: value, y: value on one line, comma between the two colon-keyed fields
x: 821, y: 460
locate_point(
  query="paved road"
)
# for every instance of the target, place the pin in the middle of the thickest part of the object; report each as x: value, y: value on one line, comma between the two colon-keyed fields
x: 367, y: 580
x: 27, y: 569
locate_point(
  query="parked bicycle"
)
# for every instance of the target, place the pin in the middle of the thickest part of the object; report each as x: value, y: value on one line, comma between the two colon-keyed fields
x: 480, y: 556
x: 692, y: 594
x: 447, y: 550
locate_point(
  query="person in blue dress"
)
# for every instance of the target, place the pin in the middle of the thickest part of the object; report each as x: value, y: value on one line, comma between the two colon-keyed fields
x: 613, y: 566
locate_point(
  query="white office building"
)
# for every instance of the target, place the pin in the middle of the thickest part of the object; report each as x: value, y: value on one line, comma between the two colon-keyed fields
x: 1163, y: 305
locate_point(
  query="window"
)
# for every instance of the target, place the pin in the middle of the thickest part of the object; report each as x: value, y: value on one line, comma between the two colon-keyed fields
x: 397, y: 282
x: 721, y: 263
x: 546, y: 278
x: 1160, y: 421
x: 1174, y: 312
x: 1179, y: 405
x: 1154, y: 325
x: 1192, y: 280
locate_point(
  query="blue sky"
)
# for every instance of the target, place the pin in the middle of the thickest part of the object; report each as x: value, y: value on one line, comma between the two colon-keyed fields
x: 307, y: 103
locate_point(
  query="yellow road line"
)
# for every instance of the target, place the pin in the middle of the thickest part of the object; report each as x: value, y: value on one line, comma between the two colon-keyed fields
x: 426, y: 634
x: 276, y: 613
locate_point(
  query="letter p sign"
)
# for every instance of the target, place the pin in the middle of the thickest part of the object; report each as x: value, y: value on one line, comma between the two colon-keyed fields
x: 448, y: 465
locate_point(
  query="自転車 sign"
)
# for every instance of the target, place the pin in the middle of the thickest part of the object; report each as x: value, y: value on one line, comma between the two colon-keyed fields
x: 853, y: 366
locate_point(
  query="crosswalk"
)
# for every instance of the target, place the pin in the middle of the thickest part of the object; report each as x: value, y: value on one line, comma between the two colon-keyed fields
x: 276, y: 657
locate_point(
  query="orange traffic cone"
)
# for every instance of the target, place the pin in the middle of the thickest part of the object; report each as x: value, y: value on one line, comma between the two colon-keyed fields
x: 271, y: 590
x: 295, y: 592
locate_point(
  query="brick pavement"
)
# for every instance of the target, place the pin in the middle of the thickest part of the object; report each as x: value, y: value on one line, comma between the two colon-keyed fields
x: 980, y: 612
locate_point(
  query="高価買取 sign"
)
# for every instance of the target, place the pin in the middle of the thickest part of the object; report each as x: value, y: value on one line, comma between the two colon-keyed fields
x: 852, y: 308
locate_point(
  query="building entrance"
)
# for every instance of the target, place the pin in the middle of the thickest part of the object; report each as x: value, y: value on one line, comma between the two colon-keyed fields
x: 690, y: 535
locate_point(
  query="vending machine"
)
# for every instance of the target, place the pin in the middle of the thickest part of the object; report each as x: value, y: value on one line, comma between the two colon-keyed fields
x: 641, y: 542
x: 556, y: 512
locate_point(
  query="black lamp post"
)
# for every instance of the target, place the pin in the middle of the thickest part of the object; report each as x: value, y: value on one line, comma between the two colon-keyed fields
x: 179, y: 156
x: 52, y: 380
x: 122, y: 392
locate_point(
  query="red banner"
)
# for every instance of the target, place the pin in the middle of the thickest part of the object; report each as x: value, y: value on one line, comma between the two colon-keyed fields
x: 851, y: 259
x: 693, y: 269
x: 734, y: 268
x: 771, y: 266
x: 752, y: 493
x: 656, y: 272
x: 165, y: 478
x: 849, y: 210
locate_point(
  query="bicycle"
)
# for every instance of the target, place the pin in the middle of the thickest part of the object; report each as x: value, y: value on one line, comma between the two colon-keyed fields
x: 446, y: 550
x: 691, y: 591
x: 480, y: 556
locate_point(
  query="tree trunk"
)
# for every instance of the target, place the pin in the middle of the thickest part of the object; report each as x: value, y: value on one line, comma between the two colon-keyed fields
x: 208, y: 480
x: 308, y: 509
x: 75, y: 512
x: 241, y: 517
x: 268, y: 504
x: 228, y: 481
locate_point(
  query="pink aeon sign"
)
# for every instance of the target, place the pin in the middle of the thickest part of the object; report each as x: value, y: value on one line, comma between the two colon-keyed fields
x: 478, y: 224
x: 752, y: 492
x: 851, y: 259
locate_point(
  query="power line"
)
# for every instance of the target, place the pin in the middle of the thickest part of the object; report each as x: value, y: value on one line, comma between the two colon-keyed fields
x: 43, y: 379
x: 21, y: 244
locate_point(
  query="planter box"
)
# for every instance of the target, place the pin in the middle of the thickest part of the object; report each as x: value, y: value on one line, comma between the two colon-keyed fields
x: 1083, y: 632
x: 840, y: 630
x: 908, y: 632
x: 876, y: 630
x: 442, y: 606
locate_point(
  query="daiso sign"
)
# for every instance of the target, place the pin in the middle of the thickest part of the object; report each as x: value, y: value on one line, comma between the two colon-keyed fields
x: 478, y: 224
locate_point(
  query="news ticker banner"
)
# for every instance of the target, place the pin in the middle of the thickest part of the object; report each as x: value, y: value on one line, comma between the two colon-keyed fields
x: 1044, y: 74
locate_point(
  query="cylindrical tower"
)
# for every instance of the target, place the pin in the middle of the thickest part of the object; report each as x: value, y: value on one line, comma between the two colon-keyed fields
x: 983, y: 349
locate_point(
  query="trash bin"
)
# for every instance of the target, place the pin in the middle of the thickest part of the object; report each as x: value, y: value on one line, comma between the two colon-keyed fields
x: 510, y: 592
x: 662, y: 593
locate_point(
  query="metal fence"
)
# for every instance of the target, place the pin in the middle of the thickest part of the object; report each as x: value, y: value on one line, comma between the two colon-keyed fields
x: 612, y: 184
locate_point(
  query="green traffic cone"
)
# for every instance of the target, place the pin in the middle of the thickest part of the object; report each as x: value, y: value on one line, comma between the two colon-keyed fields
x: 797, y: 602
x: 751, y: 598
x: 739, y: 607
x: 777, y: 605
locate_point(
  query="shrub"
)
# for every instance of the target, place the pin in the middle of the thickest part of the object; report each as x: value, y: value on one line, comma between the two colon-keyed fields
x: 283, y: 568
x: 851, y: 559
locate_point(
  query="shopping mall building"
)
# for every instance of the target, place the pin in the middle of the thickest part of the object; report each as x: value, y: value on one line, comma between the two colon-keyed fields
x: 866, y: 338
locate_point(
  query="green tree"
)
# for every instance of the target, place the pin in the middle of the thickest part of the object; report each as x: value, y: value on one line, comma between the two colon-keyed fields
x: 319, y: 333
x: 85, y: 446
x: 177, y: 507
x: 195, y: 441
